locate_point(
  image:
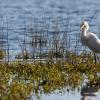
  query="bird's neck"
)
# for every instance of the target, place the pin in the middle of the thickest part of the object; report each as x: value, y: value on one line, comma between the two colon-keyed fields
x: 84, y: 32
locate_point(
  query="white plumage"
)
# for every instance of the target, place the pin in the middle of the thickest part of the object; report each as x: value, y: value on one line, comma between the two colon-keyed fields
x: 89, y: 39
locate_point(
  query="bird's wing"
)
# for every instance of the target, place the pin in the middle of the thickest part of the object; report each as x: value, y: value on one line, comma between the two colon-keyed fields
x: 93, y: 42
x: 93, y: 38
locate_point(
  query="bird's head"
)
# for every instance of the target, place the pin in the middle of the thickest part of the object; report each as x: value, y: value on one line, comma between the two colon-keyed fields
x: 84, y: 25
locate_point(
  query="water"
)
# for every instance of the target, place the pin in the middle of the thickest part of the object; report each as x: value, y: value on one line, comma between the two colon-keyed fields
x: 19, y: 13
x: 22, y: 13
x: 67, y: 96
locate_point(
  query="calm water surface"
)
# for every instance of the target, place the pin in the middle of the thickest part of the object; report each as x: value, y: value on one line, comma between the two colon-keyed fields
x: 22, y: 13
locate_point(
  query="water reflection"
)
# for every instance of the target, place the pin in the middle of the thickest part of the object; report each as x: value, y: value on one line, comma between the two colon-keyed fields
x: 90, y: 90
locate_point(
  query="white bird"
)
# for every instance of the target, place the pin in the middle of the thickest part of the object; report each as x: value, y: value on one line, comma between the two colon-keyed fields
x: 89, y: 39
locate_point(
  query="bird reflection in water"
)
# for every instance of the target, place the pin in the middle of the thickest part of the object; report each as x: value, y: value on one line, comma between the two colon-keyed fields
x: 90, y: 90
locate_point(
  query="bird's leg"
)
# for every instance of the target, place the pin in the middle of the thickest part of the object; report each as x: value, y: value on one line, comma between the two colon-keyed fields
x: 95, y: 61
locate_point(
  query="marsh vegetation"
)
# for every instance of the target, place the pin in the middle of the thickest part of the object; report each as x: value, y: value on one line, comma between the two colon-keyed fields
x: 19, y: 80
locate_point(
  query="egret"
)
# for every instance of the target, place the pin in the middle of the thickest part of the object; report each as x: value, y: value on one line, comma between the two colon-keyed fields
x: 89, y: 39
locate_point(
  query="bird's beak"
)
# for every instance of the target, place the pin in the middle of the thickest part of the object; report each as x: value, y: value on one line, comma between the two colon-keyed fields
x: 81, y: 27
